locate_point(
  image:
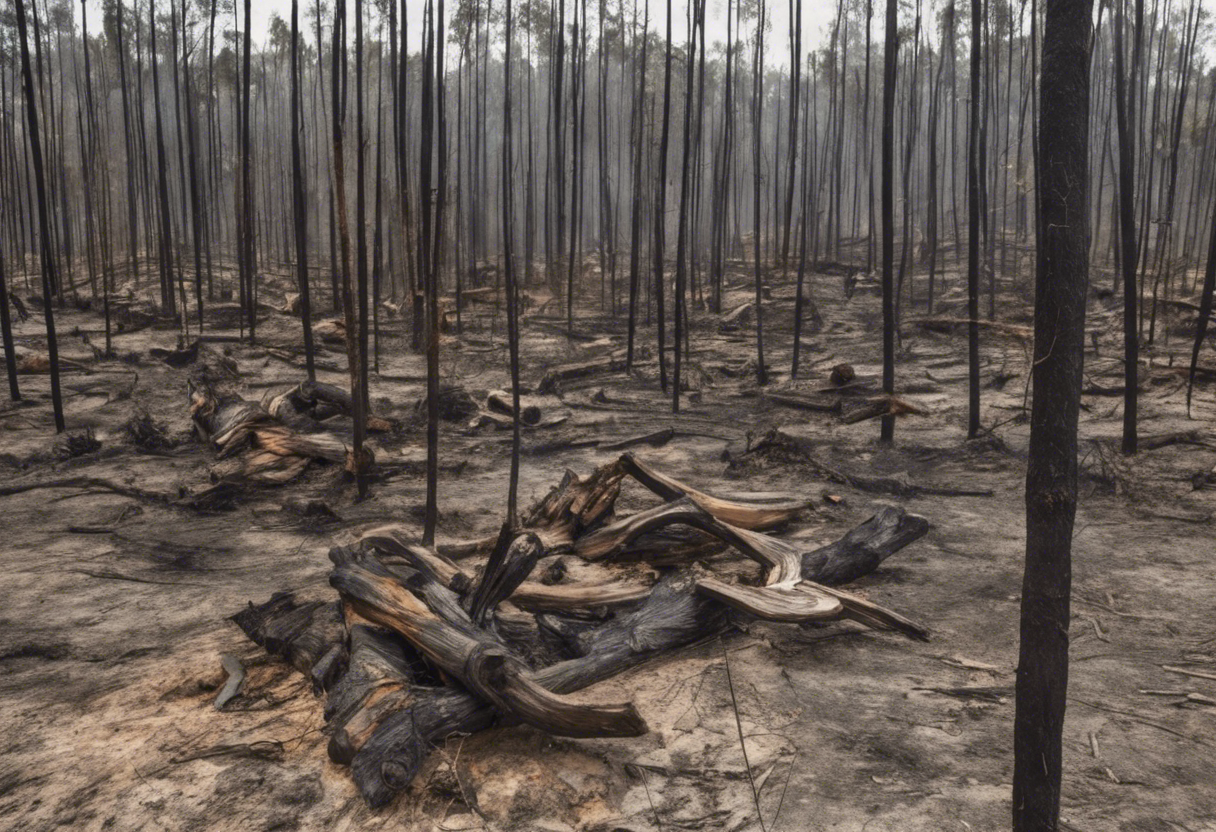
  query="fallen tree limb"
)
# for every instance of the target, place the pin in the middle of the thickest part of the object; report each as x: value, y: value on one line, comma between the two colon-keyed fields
x: 759, y: 511
x: 821, y: 405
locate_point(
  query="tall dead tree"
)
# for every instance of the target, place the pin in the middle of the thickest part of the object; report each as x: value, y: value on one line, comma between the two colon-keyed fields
x: 49, y: 280
x: 1051, y: 479
x: 757, y: 157
x: 249, y: 267
x: 168, y: 305
x: 1205, y: 313
x: 792, y: 141
x: 129, y: 145
x: 660, y: 211
x: 635, y: 236
x: 686, y: 175
x: 1125, y: 118
x: 299, y: 205
x: 974, y: 176
x: 361, y: 287
x: 890, y: 58
x: 508, y: 234
x: 6, y: 331
x: 353, y: 360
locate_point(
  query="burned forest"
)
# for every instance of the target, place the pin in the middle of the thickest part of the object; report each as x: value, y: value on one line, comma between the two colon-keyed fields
x: 608, y: 415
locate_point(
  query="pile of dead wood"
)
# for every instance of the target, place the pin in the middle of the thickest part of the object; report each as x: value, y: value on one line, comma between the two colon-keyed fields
x: 272, y: 441
x: 419, y: 647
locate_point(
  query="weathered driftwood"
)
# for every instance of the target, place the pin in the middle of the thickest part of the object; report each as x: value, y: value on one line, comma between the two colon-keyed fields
x: 784, y: 596
x: 510, y: 564
x: 576, y: 504
x: 673, y: 616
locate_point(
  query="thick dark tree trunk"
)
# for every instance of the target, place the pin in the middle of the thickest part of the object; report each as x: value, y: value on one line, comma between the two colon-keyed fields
x: 1051, y: 478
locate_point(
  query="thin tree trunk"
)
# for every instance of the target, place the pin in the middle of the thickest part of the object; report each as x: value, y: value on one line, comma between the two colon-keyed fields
x: 300, y: 209
x: 508, y: 233
x: 757, y: 142
x: 890, y: 57
x: 1125, y: 114
x: 974, y: 174
x: 44, y: 221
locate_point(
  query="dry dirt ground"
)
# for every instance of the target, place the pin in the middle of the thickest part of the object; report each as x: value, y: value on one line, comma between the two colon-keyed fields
x: 114, y: 610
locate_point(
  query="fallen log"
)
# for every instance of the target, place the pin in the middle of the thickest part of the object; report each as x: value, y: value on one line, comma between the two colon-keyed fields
x: 885, y: 405
x: 376, y: 684
x: 500, y: 401
x: 554, y: 378
x: 737, y: 318
x: 309, y: 403
x: 673, y: 615
x: 818, y: 404
x: 441, y: 631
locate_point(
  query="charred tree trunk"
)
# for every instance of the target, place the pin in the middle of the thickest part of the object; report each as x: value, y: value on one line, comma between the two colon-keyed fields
x: 44, y: 219
x: 508, y: 234
x: 757, y: 156
x: 639, y: 119
x: 660, y: 212
x: 890, y: 58
x: 299, y: 206
x: 1051, y: 478
x: 974, y: 175
x: 1125, y: 115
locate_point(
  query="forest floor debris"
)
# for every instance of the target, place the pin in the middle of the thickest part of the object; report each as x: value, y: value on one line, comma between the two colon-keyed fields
x: 113, y: 626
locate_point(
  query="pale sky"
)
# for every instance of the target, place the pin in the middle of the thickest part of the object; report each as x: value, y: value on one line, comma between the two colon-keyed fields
x: 817, y: 18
